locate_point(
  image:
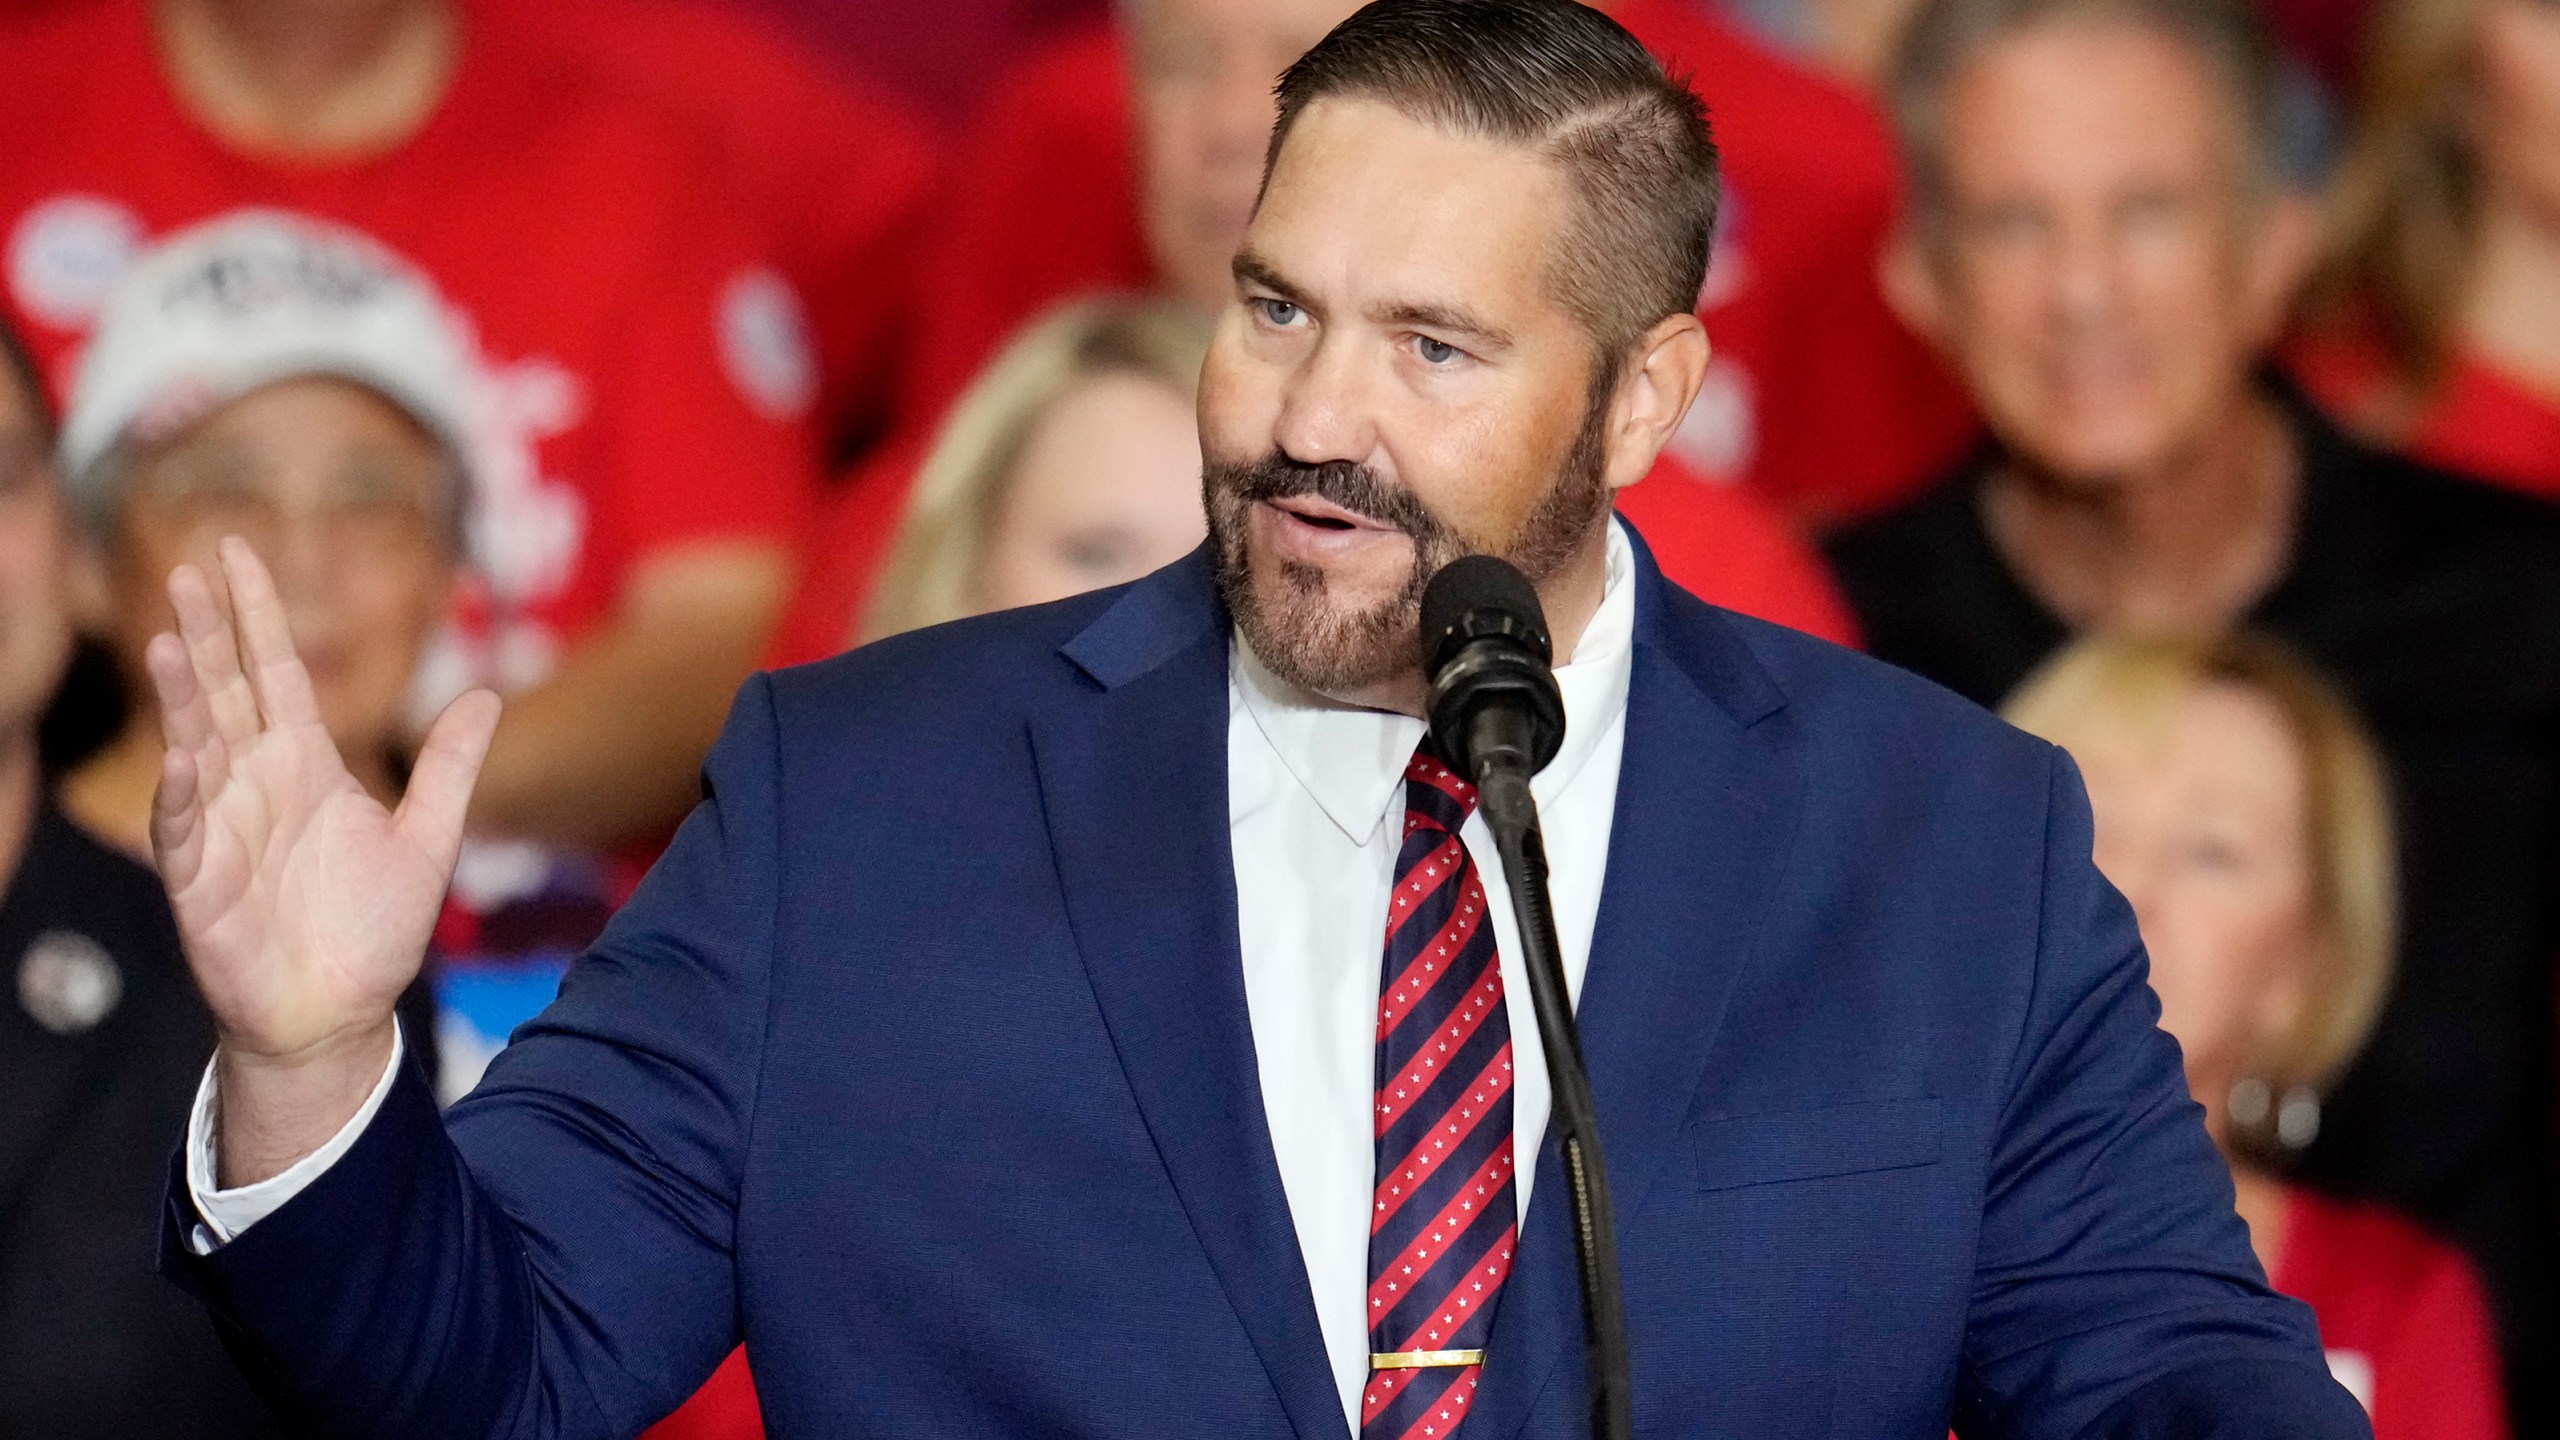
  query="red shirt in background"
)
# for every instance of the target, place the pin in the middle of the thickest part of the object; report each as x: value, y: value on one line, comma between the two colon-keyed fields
x: 725, y: 1408
x: 1818, y: 399
x: 2480, y: 421
x: 1041, y: 204
x: 843, y: 174
x: 1727, y: 547
x: 940, y: 56
x: 643, y: 373
x: 2401, y: 1317
x: 2327, y: 35
x: 598, y: 213
x: 850, y: 543
x: 1719, y: 543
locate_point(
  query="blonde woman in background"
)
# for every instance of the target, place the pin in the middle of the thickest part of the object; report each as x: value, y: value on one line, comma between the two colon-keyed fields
x: 1071, y: 464
x: 2241, y: 809
x: 2436, y: 323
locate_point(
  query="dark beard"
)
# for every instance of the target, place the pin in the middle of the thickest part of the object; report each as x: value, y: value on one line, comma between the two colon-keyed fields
x: 1301, y: 638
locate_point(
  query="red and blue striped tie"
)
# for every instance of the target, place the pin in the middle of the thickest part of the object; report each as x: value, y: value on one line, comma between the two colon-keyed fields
x: 1445, y: 1224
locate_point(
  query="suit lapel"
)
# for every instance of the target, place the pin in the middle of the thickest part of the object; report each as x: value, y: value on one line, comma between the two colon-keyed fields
x: 1706, y: 809
x: 1134, y: 779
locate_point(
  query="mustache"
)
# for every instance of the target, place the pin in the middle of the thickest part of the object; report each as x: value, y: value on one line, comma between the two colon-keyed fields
x: 1353, y: 486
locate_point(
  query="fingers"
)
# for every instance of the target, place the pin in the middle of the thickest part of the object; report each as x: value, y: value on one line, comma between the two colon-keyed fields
x: 439, y: 794
x: 276, y: 676
x: 205, y: 628
x: 185, y: 717
x: 177, y: 820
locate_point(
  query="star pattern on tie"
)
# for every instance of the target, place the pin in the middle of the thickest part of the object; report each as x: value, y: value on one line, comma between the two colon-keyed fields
x: 1443, y: 1225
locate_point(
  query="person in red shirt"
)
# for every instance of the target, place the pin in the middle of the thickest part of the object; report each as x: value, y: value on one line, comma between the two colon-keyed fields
x: 641, y: 375
x: 640, y: 456
x: 1818, y: 399
x: 2436, y: 325
x: 2240, y: 808
x: 843, y: 174
x: 596, y: 186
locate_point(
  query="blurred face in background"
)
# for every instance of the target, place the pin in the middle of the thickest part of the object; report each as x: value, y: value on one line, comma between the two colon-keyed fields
x: 2103, y: 267
x: 344, y: 497
x: 1205, y: 70
x: 35, y: 599
x: 1105, y: 489
x: 2515, y: 115
x: 2206, y: 830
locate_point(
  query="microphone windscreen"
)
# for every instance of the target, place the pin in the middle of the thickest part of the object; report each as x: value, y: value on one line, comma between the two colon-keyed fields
x: 1477, y: 595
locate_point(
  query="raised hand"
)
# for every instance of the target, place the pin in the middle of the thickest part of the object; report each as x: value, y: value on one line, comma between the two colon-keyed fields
x: 305, y: 905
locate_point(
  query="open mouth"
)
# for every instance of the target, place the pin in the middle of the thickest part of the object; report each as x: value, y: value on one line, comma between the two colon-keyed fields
x: 1322, y: 514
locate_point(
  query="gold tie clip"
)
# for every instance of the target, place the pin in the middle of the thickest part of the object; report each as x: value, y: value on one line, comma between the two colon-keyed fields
x: 1425, y: 1359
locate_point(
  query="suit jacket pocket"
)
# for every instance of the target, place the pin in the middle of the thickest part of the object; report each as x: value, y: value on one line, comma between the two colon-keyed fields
x: 1766, y: 1149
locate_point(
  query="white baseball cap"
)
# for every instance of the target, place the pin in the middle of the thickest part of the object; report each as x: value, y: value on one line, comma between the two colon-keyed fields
x: 248, y: 299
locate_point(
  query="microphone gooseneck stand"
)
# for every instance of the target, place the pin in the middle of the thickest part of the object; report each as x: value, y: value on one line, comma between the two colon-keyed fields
x: 1513, y: 819
x: 1495, y: 710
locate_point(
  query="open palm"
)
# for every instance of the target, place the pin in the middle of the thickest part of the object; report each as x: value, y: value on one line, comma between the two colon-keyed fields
x: 305, y: 905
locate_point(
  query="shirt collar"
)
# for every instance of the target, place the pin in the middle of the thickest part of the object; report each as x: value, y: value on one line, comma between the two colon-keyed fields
x: 1352, y: 761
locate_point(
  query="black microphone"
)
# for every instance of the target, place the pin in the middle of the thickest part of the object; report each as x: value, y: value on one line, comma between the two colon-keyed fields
x: 1493, y: 689
x: 1496, y: 712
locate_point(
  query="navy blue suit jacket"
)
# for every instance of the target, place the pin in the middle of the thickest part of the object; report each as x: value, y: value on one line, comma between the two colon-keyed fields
x: 922, y: 1062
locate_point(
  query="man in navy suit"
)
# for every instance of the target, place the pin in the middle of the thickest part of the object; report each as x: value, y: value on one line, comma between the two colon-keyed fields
x: 1091, y: 1020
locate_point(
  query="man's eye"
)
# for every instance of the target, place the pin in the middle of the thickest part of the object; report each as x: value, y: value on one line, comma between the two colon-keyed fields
x: 1434, y: 352
x: 1278, y: 312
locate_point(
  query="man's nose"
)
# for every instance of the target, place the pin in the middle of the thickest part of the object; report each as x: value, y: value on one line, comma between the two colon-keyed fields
x: 2085, y: 276
x: 1326, y: 411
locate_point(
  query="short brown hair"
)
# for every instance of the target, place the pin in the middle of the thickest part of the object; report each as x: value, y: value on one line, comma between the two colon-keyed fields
x: 1946, y: 35
x: 1572, y: 83
x: 2122, y: 686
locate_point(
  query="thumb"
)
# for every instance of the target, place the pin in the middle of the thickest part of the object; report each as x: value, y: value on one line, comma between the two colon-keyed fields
x: 439, y: 794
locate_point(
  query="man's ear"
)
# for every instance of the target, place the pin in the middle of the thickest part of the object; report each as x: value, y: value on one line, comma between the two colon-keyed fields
x: 1912, y: 285
x: 1662, y: 376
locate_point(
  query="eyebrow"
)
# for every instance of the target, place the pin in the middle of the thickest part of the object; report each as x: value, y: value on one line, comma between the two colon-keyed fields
x: 1446, y: 318
x: 1251, y: 269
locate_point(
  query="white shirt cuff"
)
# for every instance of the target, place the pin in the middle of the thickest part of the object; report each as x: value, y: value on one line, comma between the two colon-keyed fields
x: 225, y: 1213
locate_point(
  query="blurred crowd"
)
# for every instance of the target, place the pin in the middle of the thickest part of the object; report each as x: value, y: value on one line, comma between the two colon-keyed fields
x: 2182, y: 376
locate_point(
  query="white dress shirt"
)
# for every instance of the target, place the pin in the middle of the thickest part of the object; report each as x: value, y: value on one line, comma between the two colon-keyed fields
x: 1315, y: 809
x: 1315, y: 806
